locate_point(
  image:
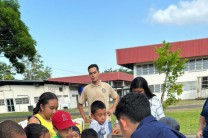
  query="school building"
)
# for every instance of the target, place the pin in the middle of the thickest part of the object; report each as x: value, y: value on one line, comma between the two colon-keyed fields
x: 194, y: 79
x: 22, y: 95
x: 120, y: 81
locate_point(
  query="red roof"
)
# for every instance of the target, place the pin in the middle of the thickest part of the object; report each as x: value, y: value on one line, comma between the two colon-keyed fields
x: 141, y: 54
x: 105, y: 77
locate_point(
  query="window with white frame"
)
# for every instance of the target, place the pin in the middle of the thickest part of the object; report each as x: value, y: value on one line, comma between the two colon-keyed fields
x: 205, y: 63
x: 2, y: 102
x: 36, y: 99
x: 145, y: 69
x: 205, y: 82
x: 192, y: 64
x: 186, y: 66
x: 139, y: 70
x: 156, y: 88
x: 59, y: 96
x: 22, y: 100
x: 18, y: 100
x: 151, y: 87
x: 189, y: 85
x: 196, y: 64
x: 25, y: 100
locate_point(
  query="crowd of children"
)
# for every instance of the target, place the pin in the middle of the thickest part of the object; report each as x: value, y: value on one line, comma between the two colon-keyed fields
x: 64, y: 127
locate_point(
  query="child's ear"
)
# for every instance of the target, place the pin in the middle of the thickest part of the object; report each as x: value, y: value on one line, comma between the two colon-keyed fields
x: 92, y: 116
x: 41, y: 107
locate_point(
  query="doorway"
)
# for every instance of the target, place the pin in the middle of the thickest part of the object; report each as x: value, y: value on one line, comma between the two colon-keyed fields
x: 10, y: 105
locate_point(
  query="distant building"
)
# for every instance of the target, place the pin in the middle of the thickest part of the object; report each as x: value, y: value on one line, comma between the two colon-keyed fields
x: 120, y: 81
x: 22, y: 95
x: 195, y: 78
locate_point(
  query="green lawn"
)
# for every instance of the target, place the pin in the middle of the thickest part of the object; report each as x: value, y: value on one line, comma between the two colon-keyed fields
x: 187, y: 118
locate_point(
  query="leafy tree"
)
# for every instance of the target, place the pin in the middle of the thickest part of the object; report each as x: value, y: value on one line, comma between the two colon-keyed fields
x: 5, y: 72
x: 15, y: 40
x: 121, y: 69
x: 170, y: 63
x: 35, y: 70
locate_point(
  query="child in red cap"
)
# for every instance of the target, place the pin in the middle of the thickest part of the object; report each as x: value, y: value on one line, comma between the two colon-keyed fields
x: 62, y: 124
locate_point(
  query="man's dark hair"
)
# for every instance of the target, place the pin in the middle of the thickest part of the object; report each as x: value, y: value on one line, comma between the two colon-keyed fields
x: 35, y: 130
x: 134, y: 106
x: 92, y: 66
x: 89, y: 133
x: 97, y: 105
x: 10, y: 129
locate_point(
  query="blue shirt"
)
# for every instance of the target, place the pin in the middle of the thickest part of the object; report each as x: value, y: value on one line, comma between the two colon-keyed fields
x: 204, y: 113
x: 149, y: 127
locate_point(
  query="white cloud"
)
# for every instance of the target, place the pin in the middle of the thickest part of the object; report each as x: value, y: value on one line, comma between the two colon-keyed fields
x: 185, y: 12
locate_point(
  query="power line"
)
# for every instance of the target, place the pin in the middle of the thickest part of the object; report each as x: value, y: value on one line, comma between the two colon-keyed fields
x: 68, y: 71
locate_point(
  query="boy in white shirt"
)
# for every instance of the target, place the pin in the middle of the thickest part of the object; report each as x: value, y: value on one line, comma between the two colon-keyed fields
x: 99, y: 119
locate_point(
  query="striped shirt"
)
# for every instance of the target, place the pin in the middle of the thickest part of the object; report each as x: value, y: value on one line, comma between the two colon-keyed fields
x: 156, y: 108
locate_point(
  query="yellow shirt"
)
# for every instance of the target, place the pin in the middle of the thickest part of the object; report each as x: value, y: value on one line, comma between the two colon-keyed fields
x: 46, y: 124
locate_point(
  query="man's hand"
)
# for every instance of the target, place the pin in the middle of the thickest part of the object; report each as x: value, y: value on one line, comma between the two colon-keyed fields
x: 199, y: 134
x: 116, y: 129
x: 87, y: 120
x: 110, y: 111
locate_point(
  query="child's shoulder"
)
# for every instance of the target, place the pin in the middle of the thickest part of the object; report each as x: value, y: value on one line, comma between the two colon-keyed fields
x: 93, y: 121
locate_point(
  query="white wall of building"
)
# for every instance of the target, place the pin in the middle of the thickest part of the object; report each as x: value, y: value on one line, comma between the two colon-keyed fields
x: 31, y: 91
x: 188, y: 77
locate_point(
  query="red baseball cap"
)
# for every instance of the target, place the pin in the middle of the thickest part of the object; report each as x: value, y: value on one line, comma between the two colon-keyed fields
x: 62, y: 120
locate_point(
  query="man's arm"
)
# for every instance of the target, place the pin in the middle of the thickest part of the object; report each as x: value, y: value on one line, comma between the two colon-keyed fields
x: 113, y: 107
x: 201, y: 126
x: 80, y: 107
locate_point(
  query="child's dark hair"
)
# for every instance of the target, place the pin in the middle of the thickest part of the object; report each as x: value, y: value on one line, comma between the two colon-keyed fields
x: 140, y: 82
x: 97, y: 105
x: 89, y: 133
x: 10, y: 129
x: 35, y: 130
x: 75, y: 128
x: 92, y: 66
x: 43, y: 99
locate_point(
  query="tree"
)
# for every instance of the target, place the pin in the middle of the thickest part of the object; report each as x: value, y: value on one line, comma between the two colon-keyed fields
x: 5, y: 72
x: 35, y: 70
x: 170, y: 63
x: 15, y: 40
x: 121, y: 69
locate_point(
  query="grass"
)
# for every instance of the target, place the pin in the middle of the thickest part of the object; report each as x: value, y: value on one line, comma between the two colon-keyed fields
x: 187, y: 118
x: 189, y: 102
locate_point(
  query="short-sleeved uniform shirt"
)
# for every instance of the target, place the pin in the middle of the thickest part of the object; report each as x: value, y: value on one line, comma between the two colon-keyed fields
x: 205, y: 114
x: 100, y: 92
